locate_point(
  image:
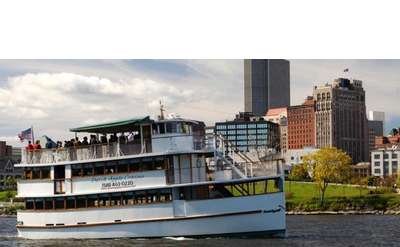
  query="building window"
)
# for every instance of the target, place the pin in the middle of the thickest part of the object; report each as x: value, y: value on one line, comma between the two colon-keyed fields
x: 377, y: 156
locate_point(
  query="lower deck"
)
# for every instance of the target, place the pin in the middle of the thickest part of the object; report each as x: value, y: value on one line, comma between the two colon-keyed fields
x: 257, y: 213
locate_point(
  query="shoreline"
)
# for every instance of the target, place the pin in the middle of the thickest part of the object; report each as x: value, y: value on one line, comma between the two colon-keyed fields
x: 340, y: 212
x: 346, y: 212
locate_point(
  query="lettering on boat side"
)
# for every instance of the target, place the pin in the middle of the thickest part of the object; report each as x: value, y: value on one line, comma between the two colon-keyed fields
x: 121, y: 181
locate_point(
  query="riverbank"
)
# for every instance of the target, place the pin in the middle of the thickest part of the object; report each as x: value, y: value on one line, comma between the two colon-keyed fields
x: 350, y: 212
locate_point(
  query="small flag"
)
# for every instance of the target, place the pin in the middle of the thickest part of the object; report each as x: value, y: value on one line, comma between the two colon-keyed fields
x: 26, y: 135
x: 346, y: 70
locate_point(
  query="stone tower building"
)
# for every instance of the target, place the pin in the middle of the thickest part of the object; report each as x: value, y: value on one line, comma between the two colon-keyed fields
x: 340, y: 117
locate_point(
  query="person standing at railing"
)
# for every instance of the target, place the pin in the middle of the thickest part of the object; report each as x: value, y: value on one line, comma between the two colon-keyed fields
x: 37, y: 145
x: 103, y: 139
x: 29, y: 147
x: 85, y: 141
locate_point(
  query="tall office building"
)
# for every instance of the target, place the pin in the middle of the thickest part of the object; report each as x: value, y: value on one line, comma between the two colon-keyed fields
x: 340, y: 117
x: 266, y: 85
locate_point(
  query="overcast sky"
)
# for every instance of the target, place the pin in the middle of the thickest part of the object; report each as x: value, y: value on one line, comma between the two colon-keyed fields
x: 55, y: 95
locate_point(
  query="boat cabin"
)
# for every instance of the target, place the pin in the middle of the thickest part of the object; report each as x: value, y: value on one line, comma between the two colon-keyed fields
x: 133, y: 153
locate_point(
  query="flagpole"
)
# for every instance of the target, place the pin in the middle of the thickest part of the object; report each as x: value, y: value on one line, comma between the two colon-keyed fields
x: 33, y: 136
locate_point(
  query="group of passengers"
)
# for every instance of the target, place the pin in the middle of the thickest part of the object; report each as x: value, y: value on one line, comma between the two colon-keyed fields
x: 32, y: 147
x: 76, y: 142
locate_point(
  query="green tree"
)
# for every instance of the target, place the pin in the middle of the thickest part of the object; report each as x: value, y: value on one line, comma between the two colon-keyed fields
x: 327, y: 165
x: 10, y: 182
x: 298, y: 172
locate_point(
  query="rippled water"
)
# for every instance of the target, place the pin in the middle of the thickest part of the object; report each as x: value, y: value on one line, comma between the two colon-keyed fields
x: 369, y: 230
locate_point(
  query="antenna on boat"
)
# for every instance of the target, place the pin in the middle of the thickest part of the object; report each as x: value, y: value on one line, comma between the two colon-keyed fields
x: 162, y: 110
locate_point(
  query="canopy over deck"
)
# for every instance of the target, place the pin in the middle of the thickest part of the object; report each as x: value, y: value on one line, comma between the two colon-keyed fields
x: 114, y: 127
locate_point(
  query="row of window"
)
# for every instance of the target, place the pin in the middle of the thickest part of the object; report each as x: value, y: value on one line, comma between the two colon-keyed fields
x: 241, y: 126
x: 37, y: 172
x: 119, y: 166
x: 100, y: 200
x: 385, y: 156
x: 242, y: 132
x: 103, y: 168
x: 211, y: 191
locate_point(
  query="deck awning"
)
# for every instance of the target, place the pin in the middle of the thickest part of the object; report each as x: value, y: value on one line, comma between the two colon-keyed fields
x: 114, y: 127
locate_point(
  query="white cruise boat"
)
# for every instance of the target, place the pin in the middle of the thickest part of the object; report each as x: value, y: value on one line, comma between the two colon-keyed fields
x: 164, y: 180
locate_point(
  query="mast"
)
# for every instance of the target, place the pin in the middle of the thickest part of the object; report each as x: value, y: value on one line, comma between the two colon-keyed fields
x: 162, y: 110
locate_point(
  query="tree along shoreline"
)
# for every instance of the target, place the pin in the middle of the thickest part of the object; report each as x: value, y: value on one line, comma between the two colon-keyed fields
x: 345, y: 212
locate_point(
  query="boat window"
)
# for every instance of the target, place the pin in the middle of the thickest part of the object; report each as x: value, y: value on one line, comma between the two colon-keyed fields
x: 186, y: 128
x: 123, y: 166
x: 116, y: 199
x: 171, y: 127
x: 104, y: 200
x: 76, y: 170
x: 140, y: 197
x: 70, y: 202
x: 59, y: 172
x: 36, y: 173
x: 162, y: 128
x: 81, y: 202
x: 127, y: 198
x: 59, y: 203
x: 159, y: 163
x: 99, y: 169
x: 39, y: 203
x: 29, y: 204
x: 48, y: 203
x: 87, y: 170
x: 28, y: 173
x: 45, y: 172
x: 92, y: 201
x: 110, y: 167
x: 134, y: 165
x: 147, y: 164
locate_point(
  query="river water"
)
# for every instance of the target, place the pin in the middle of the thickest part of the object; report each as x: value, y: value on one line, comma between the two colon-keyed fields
x: 330, y: 230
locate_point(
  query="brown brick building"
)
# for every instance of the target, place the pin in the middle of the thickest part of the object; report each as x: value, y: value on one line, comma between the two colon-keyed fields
x: 387, y: 141
x: 301, y: 125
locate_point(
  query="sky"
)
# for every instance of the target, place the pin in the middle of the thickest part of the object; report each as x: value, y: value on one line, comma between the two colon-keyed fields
x: 56, y: 95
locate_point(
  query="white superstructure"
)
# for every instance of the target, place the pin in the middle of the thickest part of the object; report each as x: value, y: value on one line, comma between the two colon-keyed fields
x: 156, y: 179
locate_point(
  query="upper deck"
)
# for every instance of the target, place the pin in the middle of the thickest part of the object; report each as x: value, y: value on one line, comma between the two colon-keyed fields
x: 136, y: 136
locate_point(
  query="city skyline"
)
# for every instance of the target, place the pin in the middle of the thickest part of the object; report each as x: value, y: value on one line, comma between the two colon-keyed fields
x: 55, y: 95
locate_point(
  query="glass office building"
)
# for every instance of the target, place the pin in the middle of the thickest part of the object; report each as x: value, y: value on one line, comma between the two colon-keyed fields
x: 247, y: 132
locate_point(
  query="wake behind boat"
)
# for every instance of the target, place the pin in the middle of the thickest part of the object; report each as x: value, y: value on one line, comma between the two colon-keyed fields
x: 165, y: 179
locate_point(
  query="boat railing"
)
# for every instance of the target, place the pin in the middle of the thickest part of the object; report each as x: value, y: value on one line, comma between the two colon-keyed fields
x: 245, y: 164
x: 82, y: 152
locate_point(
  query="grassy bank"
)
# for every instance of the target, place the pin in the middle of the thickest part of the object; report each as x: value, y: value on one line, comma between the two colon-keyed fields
x: 305, y: 197
x: 6, y: 195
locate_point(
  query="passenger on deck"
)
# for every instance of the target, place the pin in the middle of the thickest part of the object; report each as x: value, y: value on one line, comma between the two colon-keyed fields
x: 103, y: 139
x: 29, y: 148
x: 76, y: 142
x: 122, y: 138
x: 93, y: 140
x: 85, y: 141
x: 113, y: 138
x: 49, y: 144
x: 59, y: 144
x: 37, y: 145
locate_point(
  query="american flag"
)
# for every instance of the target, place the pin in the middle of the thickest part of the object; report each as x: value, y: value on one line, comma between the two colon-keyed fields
x: 26, y: 135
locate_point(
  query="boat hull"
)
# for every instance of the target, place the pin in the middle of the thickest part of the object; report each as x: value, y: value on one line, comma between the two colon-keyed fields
x: 261, y: 215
